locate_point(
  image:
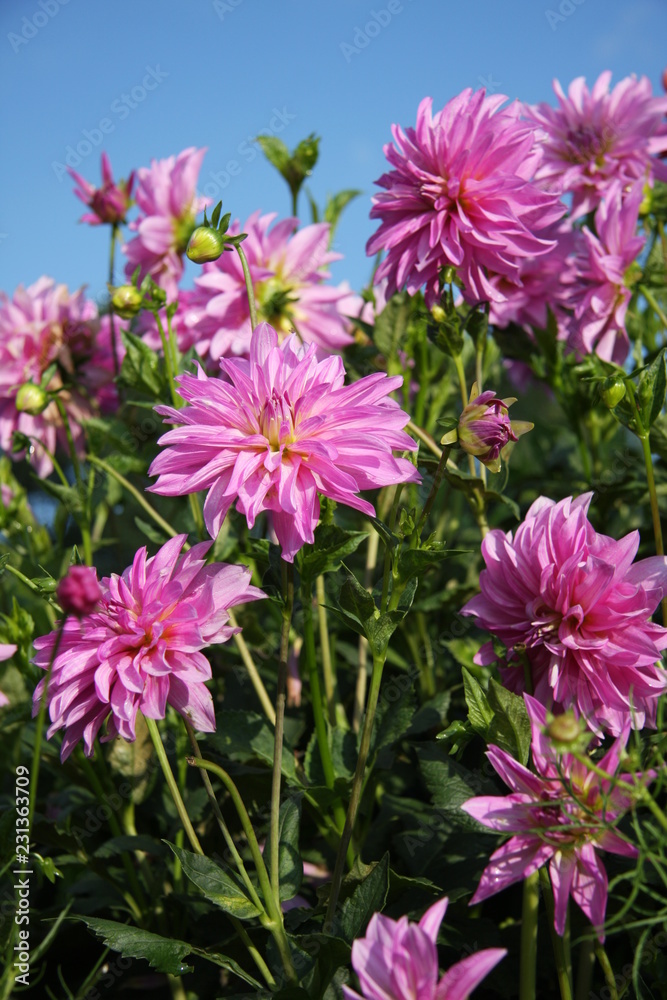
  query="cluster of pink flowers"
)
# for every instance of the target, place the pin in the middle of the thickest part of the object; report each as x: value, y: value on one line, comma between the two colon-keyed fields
x: 563, y: 815
x: 579, y: 610
x: 280, y: 429
x: 140, y: 650
x: 288, y: 270
x: 596, y: 138
x: 477, y: 189
x: 460, y: 194
x: 41, y: 326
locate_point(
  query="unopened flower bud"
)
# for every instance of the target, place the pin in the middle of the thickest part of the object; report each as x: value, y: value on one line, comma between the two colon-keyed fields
x: 564, y: 729
x: 438, y: 314
x: 126, y: 301
x: 612, y: 391
x: 485, y: 428
x: 31, y: 399
x: 79, y: 592
x: 205, y: 245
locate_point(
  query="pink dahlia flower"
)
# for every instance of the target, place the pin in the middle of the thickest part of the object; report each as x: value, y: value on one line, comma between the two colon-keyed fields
x: 141, y: 649
x: 596, y: 137
x: 166, y: 195
x: 109, y: 203
x: 543, y: 287
x: 280, y: 429
x: 563, y: 815
x: 39, y: 326
x: 6, y: 651
x: 461, y: 195
x: 597, y: 290
x: 485, y: 427
x: 581, y: 610
x: 398, y: 960
x: 288, y: 273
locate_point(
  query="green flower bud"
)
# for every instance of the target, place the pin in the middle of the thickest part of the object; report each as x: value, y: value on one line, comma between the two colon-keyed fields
x: 31, y: 399
x: 204, y: 245
x: 564, y: 729
x: 126, y: 301
x: 612, y: 391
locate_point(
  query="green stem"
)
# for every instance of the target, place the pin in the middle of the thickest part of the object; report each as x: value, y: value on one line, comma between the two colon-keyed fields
x: 655, y: 510
x: 275, y: 926
x: 253, y: 672
x: 84, y: 519
x: 274, y: 859
x: 386, y: 573
x: 250, y: 291
x: 316, y: 695
x: 362, y: 673
x: 556, y: 940
x: 176, y: 400
x: 357, y: 782
x: 653, y: 302
x: 172, y: 785
x: 39, y: 728
x: 584, y: 970
x: 32, y: 586
x: 325, y: 649
x: 238, y: 860
x: 430, y: 500
x: 252, y: 949
x: 605, y: 965
x: 112, y: 325
x: 115, y: 828
x: 528, y: 968
x: 134, y: 492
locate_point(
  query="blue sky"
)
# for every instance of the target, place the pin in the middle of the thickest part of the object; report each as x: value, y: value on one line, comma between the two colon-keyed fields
x: 167, y: 74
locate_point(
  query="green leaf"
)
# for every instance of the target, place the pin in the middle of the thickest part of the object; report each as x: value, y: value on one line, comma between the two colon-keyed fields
x: 391, y: 326
x: 414, y: 562
x: 331, y: 546
x: 164, y: 954
x: 651, y: 391
x: 480, y: 712
x: 246, y: 735
x: 451, y: 784
x: 290, y: 865
x: 141, y: 367
x: 215, y: 218
x: 274, y: 150
x: 368, y: 898
x: 223, y: 888
x: 148, y: 529
x: 510, y: 728
x: 357, y: 609
x: 335, y: 205
x: 68, y: 496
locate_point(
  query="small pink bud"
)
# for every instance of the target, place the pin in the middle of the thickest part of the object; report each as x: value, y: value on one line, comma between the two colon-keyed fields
x: 485, y: 428
x: 79, y: 592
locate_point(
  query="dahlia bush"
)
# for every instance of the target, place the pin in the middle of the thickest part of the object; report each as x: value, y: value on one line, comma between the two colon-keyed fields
x: 322, y: 675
